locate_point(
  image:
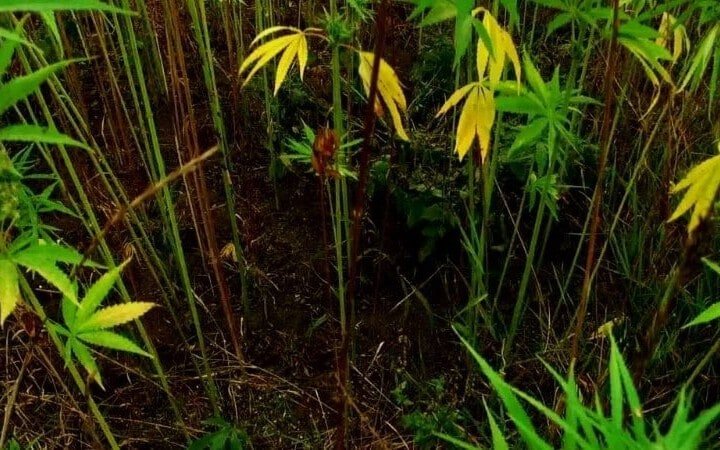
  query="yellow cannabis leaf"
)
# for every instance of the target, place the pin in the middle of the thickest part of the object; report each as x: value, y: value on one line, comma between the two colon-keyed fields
x: 702, y: 184
x: 476, y: 118
x: 503, y: 51
x: 389, y: 90
x: 670, y: 32
x: 291, y: 45
x: 9, y: 289
x: 478, y: 113
x: 115, y: 315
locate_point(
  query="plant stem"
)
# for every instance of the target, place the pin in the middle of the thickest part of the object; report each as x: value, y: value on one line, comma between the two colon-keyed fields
x: 596, y: 202
x: 357, y: 215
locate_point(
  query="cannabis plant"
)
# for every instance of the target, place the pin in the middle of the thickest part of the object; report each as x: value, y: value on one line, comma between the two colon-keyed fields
x: 592, y: 424
x: 26, y: 245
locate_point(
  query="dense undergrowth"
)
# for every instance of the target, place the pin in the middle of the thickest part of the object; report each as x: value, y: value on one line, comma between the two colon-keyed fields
x: 359, y: 224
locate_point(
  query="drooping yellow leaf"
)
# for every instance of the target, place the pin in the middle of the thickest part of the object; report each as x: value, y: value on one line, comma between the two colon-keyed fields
x: 115, y: 315
x: 497, y: 58
x: 263, y: 54
x: 466, y: 127
x: 302, y: 56
x: 482, y: 57
x: 9, y: 289
x: 476, y: 118
x: 503, y: 51
x: 455, y: 98
x: 284, y: 65
x: 268, y: 31
x: 483, y: 127
x: 389, y: 89
x: 702, y: 184
x: 672, y: 33
x: 478, y: 113
x: 512, y: 54
x: 290, y: 45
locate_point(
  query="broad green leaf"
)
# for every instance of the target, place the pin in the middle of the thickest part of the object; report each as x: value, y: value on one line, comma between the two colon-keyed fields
x: 20, y: 87
x: 536, y: 440
x: 36, y: 133
x: 529, y: 133
x: 7, y: 48
x: 53, y: 252
x: 389, y: 89
x: 485, y: 39
x: 47, y: 269
x: 463, y: 36
x: 710, y: 314
x: 113, y: 341
x: 498, y: 439
x: 693, y: 436
x: 702, y: 184
x: 69, y: 312
x: 114, y: 315
x: 633, y: 399
x: 534, y: 79
x: 714, y: 77
x: 575, y: 410
x: 635, y: 29
x: 507, y: 395
x: 95, y: 295
x: 16, y: 38
x: 649, y: 55
x: 59, y: 329
x: 559, y: 21
x: 701, y: 59
x: 86, y: 359
x: 58, y: 5
x: 9, y: 289
x: 441, y: 10
x: 518, y: 105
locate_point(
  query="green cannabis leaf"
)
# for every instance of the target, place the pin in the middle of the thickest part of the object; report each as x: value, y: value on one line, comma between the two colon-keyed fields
x: 42, y: 258
x: 85, y: 324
